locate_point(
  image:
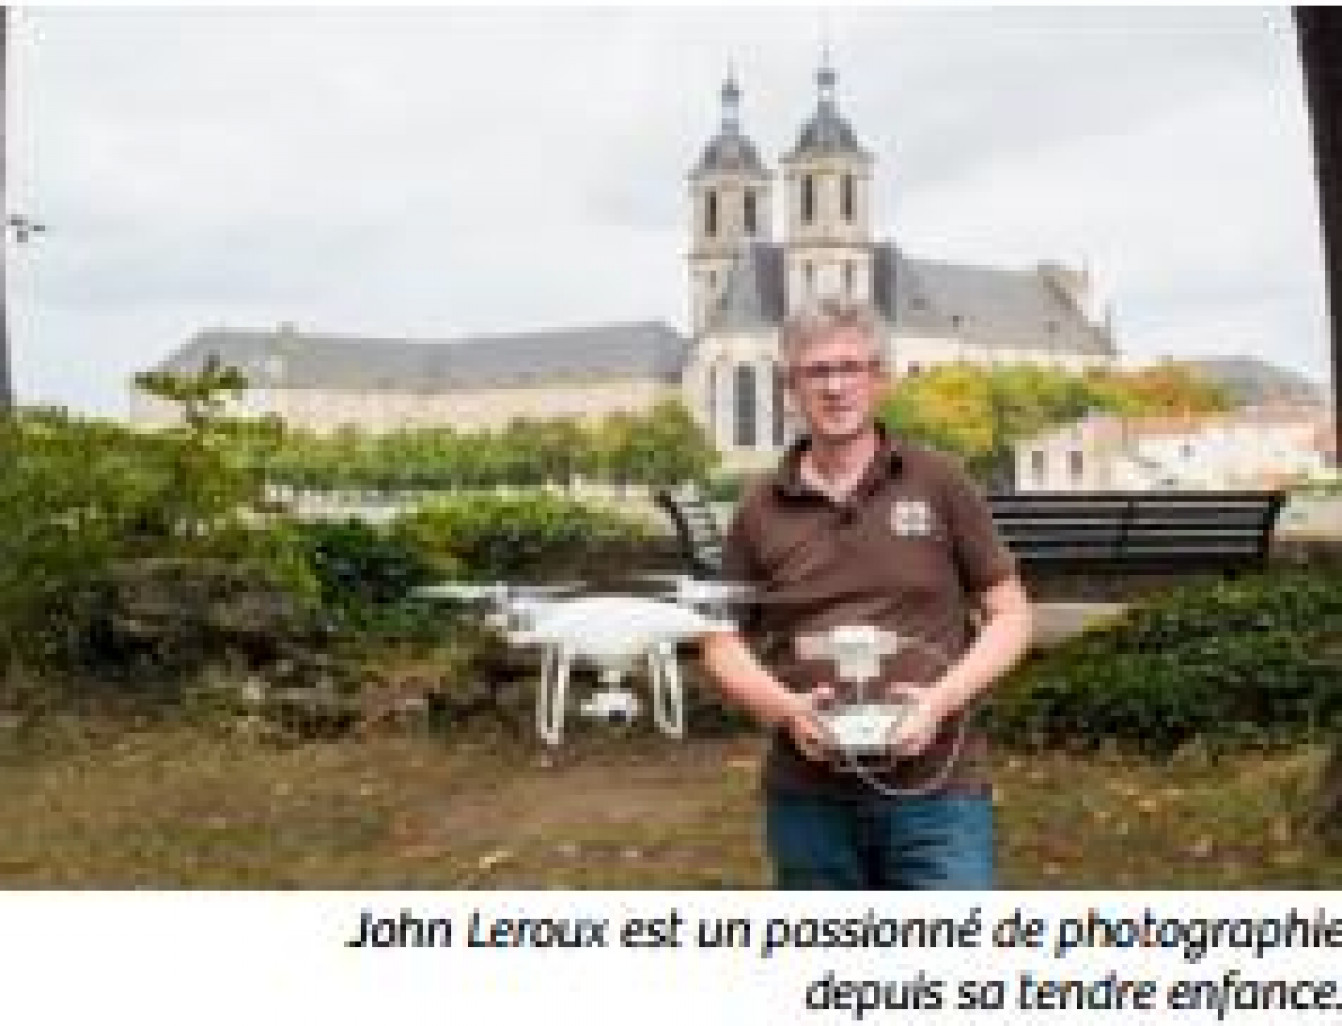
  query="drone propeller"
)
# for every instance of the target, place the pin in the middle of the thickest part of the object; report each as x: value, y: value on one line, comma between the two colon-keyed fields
x: 711, y: 591
x: 495, y: 591
x: 696, y: 585
x: 666, y: 576
x: 693, y: 591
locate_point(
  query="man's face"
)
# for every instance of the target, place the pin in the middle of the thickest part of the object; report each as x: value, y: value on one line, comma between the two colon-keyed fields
x: 835, y: 381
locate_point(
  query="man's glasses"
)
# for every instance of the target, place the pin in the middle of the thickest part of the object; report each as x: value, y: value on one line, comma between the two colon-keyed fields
x: 816, y: 373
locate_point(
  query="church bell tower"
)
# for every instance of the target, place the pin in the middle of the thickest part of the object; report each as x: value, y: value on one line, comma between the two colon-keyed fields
x: 730, y: 201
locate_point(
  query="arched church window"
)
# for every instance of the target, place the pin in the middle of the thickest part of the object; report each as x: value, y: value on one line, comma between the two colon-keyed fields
x: 711, y: 213
x: 807, y: 199
x: 749, y: 212
x: 779, y: 409
x: 745, y: 405
x: 849, y: 199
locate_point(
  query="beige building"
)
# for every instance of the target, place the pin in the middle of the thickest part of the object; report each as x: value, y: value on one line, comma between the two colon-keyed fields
x: 743, y: 281
x: 1251, y: 448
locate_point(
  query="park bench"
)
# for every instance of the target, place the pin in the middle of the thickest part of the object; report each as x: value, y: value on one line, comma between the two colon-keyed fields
x: 1158, y: 531
x: 1223, y: 531
x: 697, y: 530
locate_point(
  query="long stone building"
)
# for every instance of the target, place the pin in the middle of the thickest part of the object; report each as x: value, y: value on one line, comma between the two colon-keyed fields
x: 743, y: 280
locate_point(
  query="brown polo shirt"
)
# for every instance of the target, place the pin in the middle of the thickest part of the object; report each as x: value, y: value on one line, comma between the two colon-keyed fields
x: 907, y: 550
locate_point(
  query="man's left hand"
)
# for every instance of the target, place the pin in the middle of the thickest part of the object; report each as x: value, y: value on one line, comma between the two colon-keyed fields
x: 918, y: 727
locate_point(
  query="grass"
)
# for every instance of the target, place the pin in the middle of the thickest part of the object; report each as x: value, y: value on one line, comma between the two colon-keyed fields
x: 189, y: 806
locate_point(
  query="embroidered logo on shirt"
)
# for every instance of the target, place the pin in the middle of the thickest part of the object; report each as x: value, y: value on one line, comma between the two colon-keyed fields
x: 911, y: 518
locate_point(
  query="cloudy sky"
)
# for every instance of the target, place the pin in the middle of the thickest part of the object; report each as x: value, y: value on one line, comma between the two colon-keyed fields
x: 432, y: 173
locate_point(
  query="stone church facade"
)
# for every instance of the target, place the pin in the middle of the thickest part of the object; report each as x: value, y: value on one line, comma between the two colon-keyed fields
x: 743, y: 282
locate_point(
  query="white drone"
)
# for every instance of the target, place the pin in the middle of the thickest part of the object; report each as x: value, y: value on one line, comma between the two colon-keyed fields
x: 613, y: 632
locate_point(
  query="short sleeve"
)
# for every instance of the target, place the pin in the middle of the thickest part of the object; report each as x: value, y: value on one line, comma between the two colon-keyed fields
x: 739, y: 562
x: 981, y: 555
x: 738, y: 554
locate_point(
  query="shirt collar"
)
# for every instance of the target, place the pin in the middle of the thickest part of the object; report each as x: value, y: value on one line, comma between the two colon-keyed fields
x: 789, y: 482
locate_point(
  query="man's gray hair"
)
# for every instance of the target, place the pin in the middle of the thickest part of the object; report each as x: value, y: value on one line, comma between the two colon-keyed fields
x: 822, y: 319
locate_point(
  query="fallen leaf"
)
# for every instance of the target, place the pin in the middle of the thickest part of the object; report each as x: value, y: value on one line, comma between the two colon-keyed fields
x: 494, y: 858
x: 1287, y: 857
x: 1201, y: 848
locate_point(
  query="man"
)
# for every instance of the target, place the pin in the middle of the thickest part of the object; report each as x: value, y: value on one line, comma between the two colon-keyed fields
x: 856, y: 526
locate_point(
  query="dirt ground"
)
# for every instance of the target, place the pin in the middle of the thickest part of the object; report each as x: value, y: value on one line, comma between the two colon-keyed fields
x: 183, y: 806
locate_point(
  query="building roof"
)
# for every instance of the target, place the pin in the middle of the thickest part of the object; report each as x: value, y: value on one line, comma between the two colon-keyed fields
x: 984, y: 306
x: 826, y: 132
x: 286, y: 358
x: 1250, y: 380
x: 753, y: 295
x: 730, y: 151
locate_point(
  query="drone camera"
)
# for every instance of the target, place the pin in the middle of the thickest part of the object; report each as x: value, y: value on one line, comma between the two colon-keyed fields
x: 618, y: 708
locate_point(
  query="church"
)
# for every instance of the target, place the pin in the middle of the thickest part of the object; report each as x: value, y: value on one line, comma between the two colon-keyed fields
x: 744, y: 279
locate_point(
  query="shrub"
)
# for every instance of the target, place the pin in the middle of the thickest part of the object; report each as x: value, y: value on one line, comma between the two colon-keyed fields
x: 365, y: 575
x: 516, y: 536
x: 80, y: 497
x: 1255, y: 661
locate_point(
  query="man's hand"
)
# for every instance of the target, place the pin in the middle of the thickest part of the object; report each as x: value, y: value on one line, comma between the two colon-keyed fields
x: 918, y: 727
x: 803, y: 726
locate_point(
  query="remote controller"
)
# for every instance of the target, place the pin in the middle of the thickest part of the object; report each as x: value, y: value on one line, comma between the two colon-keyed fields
x: 864, y: 730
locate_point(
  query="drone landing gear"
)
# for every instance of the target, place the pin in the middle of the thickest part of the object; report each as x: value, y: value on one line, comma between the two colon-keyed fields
x: 668, y: 697
x: 550, y: 697
x: 612, y: 703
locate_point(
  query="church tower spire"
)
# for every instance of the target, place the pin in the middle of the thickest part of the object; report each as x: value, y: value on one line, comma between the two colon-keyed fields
x: 729, y: 193
x: 827, y: 187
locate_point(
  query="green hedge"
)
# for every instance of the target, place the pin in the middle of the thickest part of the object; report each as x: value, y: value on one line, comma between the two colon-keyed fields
x: 514, y: 536
x: 365, y: 574
x: 1256, y: 661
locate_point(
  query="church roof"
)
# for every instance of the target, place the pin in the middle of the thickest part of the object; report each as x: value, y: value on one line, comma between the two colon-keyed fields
x: 754, y: 293
x: 994, y: 306
x: 826, y: 132
x: 289, y: 359
x: 730, y: 151
x: 984, y: 306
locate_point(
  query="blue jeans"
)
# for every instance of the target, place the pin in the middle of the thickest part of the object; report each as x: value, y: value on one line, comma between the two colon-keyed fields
x: 876, y: 843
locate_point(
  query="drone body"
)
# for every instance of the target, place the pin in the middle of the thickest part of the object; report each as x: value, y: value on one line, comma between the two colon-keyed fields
x: 616, y: 633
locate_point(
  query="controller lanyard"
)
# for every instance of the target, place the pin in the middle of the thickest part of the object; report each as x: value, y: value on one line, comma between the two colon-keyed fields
x: 942, y: 775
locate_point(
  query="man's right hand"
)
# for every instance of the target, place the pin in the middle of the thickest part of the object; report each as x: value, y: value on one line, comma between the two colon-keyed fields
x: 803, y: 726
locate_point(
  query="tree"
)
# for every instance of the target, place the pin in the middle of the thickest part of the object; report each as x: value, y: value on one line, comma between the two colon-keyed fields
x: 981, y: 413
x: 201, y: 396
